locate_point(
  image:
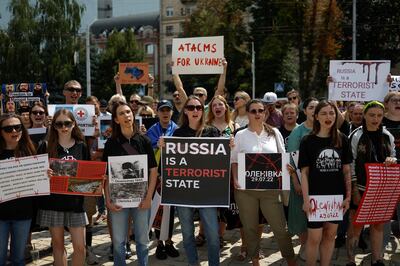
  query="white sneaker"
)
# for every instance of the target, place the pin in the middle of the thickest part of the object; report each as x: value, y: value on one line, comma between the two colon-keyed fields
x: 91, y: 258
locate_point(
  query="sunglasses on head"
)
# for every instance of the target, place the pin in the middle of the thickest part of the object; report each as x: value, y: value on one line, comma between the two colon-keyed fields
x: 38, y: 112
x: 192, y: 107
x: 292, y: 98
x: 198, y: 94
x: 10, y: 129
x: 255, y: 111
x: 61, y: 124
x: 72, y: 90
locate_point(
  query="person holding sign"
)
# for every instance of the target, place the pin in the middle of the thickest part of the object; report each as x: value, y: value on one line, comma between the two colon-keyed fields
x: 65, y: 142
x: 192, y: 124
x: 127, y: 140
x: 15, y: 215
x: 370, y: 143
x: 324, y: 160
x: 260, y: 138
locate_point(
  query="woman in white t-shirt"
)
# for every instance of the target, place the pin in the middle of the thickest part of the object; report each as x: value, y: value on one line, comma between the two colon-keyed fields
x: 260, y: 138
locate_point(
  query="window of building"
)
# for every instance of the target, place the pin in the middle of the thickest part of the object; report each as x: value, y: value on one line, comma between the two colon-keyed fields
x: 169, y: 12
x: 168, y: 49
x: 169, y: 30
x: 149, y: 48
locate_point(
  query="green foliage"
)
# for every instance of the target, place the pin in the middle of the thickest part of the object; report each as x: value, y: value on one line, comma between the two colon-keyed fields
x: 121, y: 47
x: 216, y: 18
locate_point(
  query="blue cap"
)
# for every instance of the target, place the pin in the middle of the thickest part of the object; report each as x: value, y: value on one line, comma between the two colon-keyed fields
x: 164, y: 103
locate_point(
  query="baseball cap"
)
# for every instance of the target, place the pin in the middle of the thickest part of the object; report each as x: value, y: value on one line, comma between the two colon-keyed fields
x: 270, y: 98
x: 103, y: 103
x: 164, y: 103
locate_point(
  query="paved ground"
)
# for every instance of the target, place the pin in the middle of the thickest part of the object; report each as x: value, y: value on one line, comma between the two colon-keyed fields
x: 101, y: 244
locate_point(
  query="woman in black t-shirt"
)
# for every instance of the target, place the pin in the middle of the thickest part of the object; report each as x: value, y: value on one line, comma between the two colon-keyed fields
x: 15, y: 215
x: 324, y: 160
x: 65, y: 142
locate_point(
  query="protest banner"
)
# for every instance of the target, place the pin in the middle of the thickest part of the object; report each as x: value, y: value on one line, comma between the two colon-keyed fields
x: 76, y: 177
x: 128, y: 179
x: 381, y: 195
x: 395, y: 85
x: 37, y: 130
x: 21, y: 96
x: 195, y: 172
x: 83, y: 114
x: 134, y: 73
x: 263, y: 171
x: 396, y: 134
x: 24, y: 177
x: 105, y: 130
x: 358, y: 80
x: 202, y: 55
x: 325, y: 208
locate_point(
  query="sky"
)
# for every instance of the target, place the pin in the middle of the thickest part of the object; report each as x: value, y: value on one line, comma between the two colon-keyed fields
x: 120, y: 8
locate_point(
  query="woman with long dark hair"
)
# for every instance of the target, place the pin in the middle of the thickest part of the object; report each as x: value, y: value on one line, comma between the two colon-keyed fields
x: 65, y: 142
x: 126, y: 140
x: 15, y: 215
x: 324, y: 160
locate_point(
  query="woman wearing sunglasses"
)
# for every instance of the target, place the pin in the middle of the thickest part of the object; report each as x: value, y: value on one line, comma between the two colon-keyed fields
x: 37, y: 115
x: 192, y: 124
x: 259, y: 137
x: 15, y: 215
x: 65, y: 142
x: 127, y: 140
x: 239, y: 115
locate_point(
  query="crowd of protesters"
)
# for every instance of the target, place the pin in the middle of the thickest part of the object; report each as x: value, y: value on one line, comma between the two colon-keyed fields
x: 357, y: 135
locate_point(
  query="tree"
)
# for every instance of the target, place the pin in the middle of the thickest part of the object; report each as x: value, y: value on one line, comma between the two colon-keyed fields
x: 121, y: 47
x: 222, y: 17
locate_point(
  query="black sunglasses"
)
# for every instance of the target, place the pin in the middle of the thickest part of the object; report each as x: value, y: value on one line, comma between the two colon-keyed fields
x: 61, y: 124
x: 192, y: 107
x: 255, y: 111
x: 292, y: 98
x: 38, y: 112
x: 175, y: 95
x: 10, y: 129
x: 72, y: 90
x: 134, y: 101
x: 199, y: 94
x: 237, y: 98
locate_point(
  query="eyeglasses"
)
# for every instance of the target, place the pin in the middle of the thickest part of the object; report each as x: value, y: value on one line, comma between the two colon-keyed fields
x: 61, y: 124
x: 10, y: 129
x: 199, y: 94
x: 292, y: 98
x: 255, y: 111
x: 134, y: 101
x: 38, y: 112
x: 72, y: 90
x: 237, y: 98
x: 175, y: 95
x: 394, y: 100
x: 192, y: 107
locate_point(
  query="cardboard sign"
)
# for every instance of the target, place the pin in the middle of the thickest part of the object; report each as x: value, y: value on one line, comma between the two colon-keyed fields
x: 76, y: 177
x: 134, y: 73
x: 395, y: 85
x: 326, y: 208
x: 263, y: 171
x: 195, y: 172
x: 381, y: 195
x: 202, y: 55
x: 24, y: 177
x: 83, y: 114
x: 128, y: 179
x: 358, y: 80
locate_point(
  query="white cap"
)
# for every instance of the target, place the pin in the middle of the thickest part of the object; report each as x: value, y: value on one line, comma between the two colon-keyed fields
x: 270, y: 98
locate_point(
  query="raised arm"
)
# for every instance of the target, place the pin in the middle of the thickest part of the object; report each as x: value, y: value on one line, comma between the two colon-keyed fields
x: 150, y: 86
x: 220, y: 90
x: 179, y: 87
x: 118, y: 87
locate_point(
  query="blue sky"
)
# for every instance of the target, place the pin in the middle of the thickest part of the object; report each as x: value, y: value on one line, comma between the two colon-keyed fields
x: 120, y: 8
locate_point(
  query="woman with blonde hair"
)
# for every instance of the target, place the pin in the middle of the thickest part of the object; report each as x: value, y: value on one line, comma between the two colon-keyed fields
x: 220, y: 116
x: 239, y: 115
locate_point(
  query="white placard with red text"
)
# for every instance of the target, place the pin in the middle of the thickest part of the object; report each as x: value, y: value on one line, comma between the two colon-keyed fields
x: 358, y: 80
x: 202, y: 55
x: 326, y: 208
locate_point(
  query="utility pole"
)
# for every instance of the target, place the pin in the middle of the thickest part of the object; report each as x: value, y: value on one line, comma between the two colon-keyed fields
x: 354, y: 44
x: 253, y: 70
